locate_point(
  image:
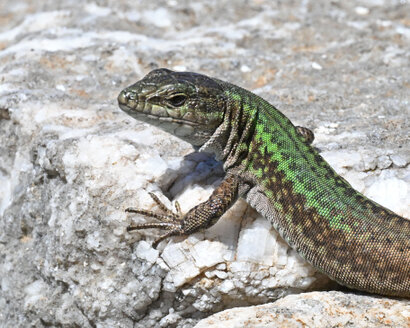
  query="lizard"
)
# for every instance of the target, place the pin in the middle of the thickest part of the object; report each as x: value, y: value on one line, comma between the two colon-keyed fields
x: 271, y: 164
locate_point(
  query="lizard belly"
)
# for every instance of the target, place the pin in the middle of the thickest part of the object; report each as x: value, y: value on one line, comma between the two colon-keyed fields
x: 260, y: 202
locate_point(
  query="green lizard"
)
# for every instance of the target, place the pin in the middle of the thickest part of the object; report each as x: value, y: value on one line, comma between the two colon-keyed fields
x: 270, y: 163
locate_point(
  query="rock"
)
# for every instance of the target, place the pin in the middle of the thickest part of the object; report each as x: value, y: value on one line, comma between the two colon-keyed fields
x: 399, y: 161
x: 71, y: 161
x: 316, y: 309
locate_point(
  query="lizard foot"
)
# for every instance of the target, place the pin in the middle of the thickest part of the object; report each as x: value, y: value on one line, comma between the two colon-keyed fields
x: 169, y: 220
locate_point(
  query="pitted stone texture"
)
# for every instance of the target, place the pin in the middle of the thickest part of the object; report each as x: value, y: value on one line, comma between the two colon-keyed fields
x: 71, y: 161
x: 316, y: 309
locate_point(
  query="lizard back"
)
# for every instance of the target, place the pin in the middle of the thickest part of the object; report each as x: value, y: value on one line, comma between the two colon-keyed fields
x: 338, y: 230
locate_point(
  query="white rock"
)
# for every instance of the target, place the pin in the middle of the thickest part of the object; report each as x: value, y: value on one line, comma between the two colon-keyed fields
x: 221, y: 274
x: 226, y: 286
x: 257, y: 244
x: 35, y: 292
x: 383, y: 162
x: 173, y: 255
x: 390, y: 192
x: 159, y: 17
x: 207, y: 254
x: 362, y: 11
x: 182, y: 274
x: 146, y: 252
x: 316, y: 66
x: 245, y: 69
x: 398, y: 160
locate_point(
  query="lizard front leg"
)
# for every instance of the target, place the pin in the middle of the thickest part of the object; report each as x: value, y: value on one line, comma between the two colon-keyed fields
x: 199, y: 217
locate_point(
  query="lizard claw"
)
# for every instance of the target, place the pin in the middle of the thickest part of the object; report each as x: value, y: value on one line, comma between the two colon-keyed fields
x: 174, y: 230
x: 169, y: 221
x: 169, y: 215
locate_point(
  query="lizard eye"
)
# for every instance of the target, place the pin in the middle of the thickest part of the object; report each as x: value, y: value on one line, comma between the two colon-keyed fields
x: 177, y: 100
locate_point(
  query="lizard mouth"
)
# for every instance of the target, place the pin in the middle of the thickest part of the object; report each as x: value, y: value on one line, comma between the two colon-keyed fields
x: 143, y: 110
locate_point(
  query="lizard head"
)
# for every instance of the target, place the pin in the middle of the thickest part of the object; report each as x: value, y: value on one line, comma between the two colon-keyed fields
x: 187, y: 105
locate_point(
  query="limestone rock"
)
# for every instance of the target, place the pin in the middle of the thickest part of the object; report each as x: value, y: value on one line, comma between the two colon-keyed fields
x: 316, y: 309
x: 71, y: 161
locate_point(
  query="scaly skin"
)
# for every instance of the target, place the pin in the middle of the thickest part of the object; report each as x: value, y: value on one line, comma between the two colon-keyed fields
x: 270, y: 163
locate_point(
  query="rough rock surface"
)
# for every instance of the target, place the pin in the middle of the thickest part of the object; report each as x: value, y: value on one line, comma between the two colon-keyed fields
x: 71, y: 161
x: 316, y: 309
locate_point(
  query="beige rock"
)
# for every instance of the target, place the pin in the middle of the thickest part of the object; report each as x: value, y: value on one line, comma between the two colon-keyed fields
x: 316, y: 309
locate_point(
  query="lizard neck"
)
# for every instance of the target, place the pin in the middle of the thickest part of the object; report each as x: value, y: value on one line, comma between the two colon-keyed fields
x: 230, y: 141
